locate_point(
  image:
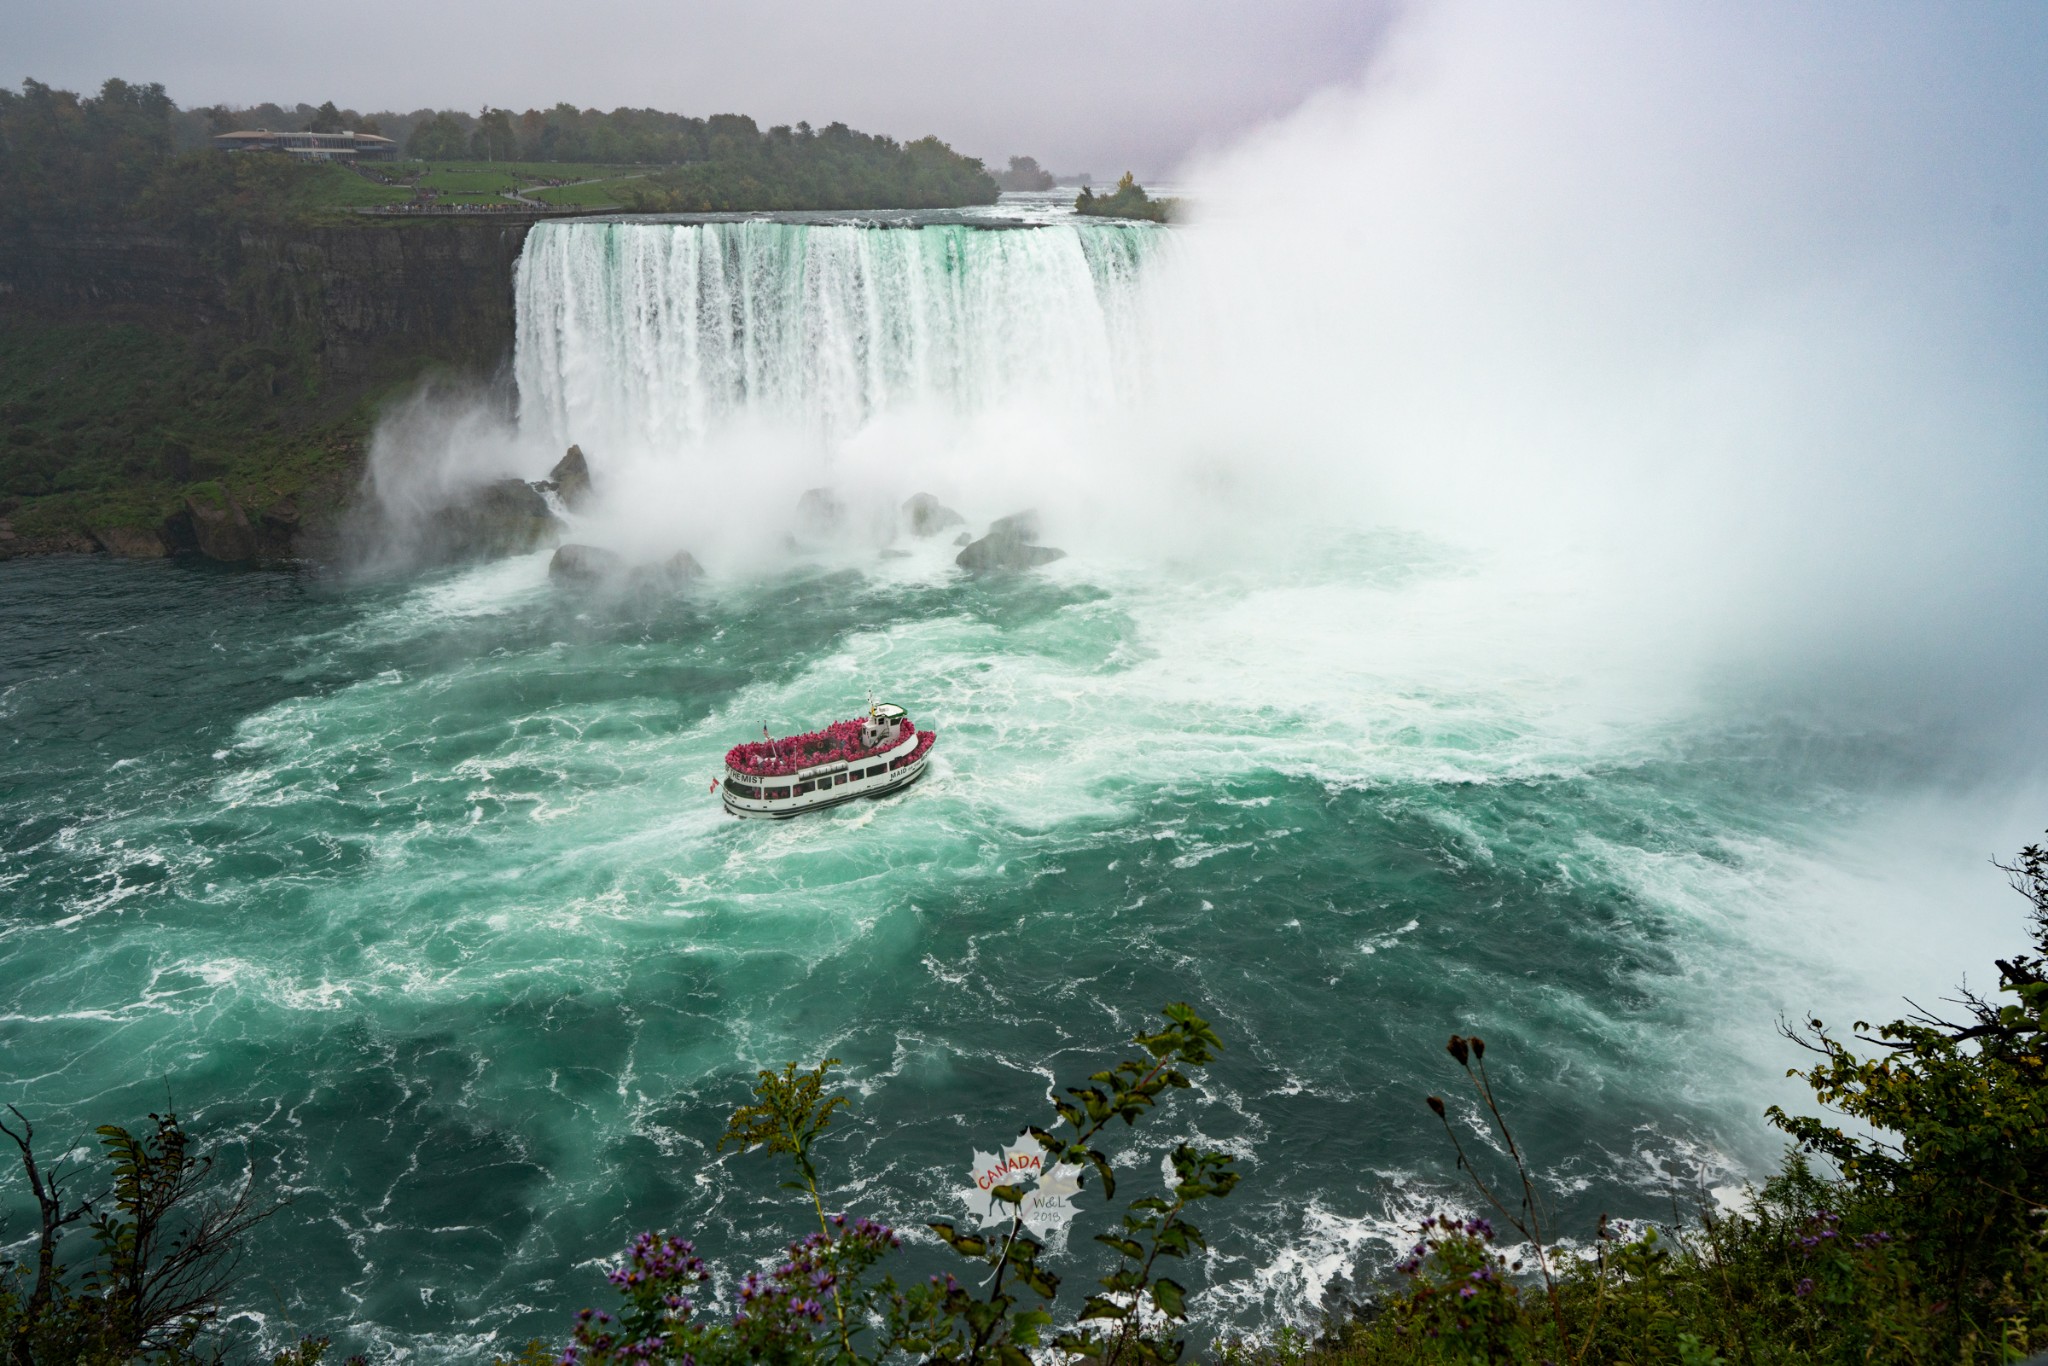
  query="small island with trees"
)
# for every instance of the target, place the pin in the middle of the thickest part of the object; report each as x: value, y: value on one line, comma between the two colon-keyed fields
x: 1128, y: 200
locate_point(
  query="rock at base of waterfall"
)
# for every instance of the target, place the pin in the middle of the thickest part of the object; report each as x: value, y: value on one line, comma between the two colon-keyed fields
x: 589, y: 566
x: 928, y: 516
x: 221, y: 532
x: 569, y: 480
x: 131, y: 542
x: 503, y: 517
x: 1011, y: 544
x: 964, y: 538
x: 1024, y: 524
x: 674, y: 572
x: 584, y: 564
x: 819, y: 512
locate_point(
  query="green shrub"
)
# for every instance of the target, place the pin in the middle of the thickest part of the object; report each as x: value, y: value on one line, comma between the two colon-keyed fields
x: 1128, y: 200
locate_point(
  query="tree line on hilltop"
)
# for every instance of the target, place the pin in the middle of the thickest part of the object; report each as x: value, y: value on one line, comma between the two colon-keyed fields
x: 131, y: 151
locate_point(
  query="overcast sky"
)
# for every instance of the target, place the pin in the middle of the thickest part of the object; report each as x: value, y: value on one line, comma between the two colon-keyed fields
x: 1094, y: 85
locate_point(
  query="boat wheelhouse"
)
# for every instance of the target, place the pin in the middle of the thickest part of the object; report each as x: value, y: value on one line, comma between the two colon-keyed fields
x: 865, y: 757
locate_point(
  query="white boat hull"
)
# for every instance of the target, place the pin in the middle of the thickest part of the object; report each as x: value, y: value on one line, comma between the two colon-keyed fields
x: 829, y: 785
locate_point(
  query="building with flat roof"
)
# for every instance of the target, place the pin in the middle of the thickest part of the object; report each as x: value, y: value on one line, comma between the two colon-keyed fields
x: 311, y: 146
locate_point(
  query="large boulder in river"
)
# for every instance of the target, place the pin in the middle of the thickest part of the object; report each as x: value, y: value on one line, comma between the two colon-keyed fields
x: 570, y: 479
x: 503, y: 517
x: 820, y: 512
x: 679, y: 570
x: 585, y: 564
x: 928, y: 516
x: 221, y: 530
x: 589, y: 566
x: 1011, y: 544
x: 675, y: 571
x: 131, y: 542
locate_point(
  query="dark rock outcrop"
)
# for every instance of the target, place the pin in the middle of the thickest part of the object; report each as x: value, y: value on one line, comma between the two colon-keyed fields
x: 503, y: 517
x: 221, y: 532
x: 928, y: 516
x: 569, y: 480
x: 13, y: 543
x: 589, y: 566
x: 675, y: 571
x: 276, y: 527
x: 819, y: 512
x: 131, y: 543
x: 1011, y: 544
x: 282, y: 516
x: 585, y: 564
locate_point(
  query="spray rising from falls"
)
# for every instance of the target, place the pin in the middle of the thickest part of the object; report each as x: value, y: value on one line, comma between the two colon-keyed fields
x: 642, y: 339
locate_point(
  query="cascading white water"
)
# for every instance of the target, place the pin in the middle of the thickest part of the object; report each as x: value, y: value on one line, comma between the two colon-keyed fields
x: 650, y: 336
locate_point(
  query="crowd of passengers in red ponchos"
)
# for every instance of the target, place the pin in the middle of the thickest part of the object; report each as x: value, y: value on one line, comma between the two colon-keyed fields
x: 780, y: 758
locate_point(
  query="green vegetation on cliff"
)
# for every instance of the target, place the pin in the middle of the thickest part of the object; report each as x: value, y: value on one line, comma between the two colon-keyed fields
x: 108, y: 426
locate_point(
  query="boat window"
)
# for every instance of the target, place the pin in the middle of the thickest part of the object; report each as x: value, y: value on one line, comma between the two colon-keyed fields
x: 777, y: 793
x: 802, y: 788
x: 878, y: 770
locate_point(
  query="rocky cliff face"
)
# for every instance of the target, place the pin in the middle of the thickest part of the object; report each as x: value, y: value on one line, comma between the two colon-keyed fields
x: 301, y: 324
x: 362, y: 296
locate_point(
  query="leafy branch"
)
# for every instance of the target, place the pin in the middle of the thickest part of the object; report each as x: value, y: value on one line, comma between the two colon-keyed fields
x: 793, y: 1111
x: 1198, y: 1176
x: 782, y: 1315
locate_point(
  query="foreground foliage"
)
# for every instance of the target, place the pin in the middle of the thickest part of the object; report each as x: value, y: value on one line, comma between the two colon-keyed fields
x: 825, y: 1303
x: 1929, y: 1244
x: 164, y: 1242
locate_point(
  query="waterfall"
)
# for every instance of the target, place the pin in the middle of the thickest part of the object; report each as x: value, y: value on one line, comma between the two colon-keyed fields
x: 653, y: 336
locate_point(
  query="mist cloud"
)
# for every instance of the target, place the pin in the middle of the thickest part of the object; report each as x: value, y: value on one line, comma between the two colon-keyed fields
x: 1714, y: 334
x: 1744, y: 301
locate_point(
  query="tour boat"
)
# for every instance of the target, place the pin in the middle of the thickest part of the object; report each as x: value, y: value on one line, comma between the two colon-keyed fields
x: 860, y: 758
